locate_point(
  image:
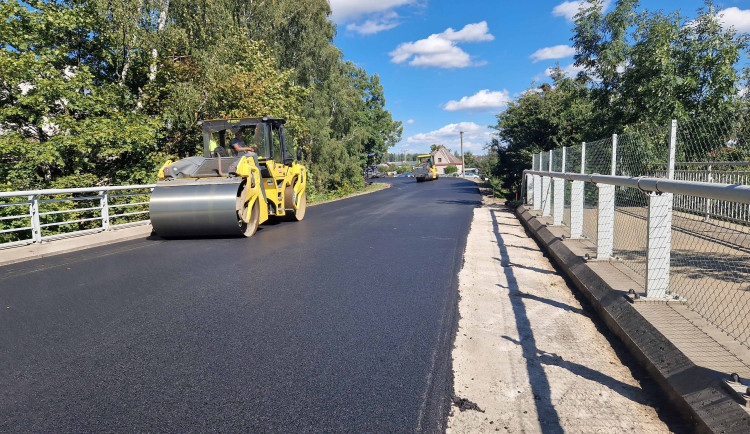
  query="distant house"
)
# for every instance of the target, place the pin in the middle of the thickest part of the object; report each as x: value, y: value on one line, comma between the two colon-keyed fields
x: 443, y: 158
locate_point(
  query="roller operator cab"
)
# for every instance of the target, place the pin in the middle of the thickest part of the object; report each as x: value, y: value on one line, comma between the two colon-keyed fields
x: 229, y: 191
x: 425, y: 169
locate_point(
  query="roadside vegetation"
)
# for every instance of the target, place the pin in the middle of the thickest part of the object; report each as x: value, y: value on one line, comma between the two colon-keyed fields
x: 639, y: 68
x: 102, y: 93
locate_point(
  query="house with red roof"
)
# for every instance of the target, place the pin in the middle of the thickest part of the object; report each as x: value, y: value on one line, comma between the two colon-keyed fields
x: 443, y: 158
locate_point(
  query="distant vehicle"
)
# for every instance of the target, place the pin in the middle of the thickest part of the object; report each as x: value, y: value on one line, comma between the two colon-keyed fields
x: 409, y: 175
x: 372, y: 172
x: 471, y: 173
x: 425, y: 169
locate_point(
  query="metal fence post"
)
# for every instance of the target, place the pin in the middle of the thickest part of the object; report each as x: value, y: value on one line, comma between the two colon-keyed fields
x: 530, y: 183
x: 36, y: 230
x: 537, y: 205
x: 576, y: 200
x: 708, y: 201
x: 547, y: 190
x: 606, y: 216
x: 558, y: 207
x: 659, y: 244
x: 104, y: 203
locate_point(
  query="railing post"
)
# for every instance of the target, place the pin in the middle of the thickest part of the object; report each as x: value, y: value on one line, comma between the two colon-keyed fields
x: 576, y: 200
x: 537, y: 205
x: 530, y: 182
x: 529, y: 188
x: 36, y: 230
x: 558, y: 207
x: 606, y: 216
x: 547, y: 190
x: 104, y: 203
x: 659, y: 244
x: 708, y: 201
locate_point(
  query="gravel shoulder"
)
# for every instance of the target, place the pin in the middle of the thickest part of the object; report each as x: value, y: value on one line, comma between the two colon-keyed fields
x: 528, y: 357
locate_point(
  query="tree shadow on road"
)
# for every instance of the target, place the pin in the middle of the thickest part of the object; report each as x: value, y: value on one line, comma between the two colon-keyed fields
x: 536, y: 358
x: 549, y: 420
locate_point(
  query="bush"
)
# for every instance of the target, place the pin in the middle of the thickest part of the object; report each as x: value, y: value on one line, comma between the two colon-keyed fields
x: 451, y: 169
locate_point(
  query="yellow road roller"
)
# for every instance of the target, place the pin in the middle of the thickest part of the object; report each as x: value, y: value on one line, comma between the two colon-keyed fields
x: 247, y: 174
x: 425, y: 169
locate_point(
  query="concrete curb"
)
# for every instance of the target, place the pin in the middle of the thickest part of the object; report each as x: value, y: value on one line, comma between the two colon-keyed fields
x: 74, y: 243
x: 696, y: 392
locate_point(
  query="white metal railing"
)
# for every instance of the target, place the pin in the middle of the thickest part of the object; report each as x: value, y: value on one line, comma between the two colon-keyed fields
x: 712, y: 172
x: 35, y: 216
x: 685, y: 231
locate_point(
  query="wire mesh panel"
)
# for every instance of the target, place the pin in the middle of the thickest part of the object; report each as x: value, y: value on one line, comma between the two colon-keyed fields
x: 598, y: 160
x: 711, y: 239
x: 545, y: 161
x: 572, y: 165
x: 641, y: 151
x: 557, y: 155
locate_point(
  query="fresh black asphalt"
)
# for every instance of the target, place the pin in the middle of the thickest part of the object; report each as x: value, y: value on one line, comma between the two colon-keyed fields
x: 340, y: 323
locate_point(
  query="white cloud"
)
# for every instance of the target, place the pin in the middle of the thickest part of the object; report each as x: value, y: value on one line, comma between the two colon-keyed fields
x: 367, y: 17
x: 477, y: 32
x: 440, y: 49
x: 410, y: 121
x: 482, y: 100
x: 342, y: 10
x: 735, y: 17
x: 371, y: 27
x: 475, y: 137
x: 556, y: 52
x: 569, y: 9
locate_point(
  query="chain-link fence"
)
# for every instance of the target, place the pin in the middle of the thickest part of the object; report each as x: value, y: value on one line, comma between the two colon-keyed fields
x: 710, y: 238
x: 598, y: 160
x: 572, y: 165
x: 709, y: 261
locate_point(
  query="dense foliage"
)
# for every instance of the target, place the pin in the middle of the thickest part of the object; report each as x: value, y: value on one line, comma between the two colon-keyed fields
x: 638, y: 68
x: 100, y: 92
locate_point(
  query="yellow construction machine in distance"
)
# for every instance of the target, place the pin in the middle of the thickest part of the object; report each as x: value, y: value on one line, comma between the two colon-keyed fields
x: 425, y: 169
x: 227, y: 192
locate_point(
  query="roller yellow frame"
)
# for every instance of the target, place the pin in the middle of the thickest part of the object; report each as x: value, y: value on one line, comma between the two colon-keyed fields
x: 425, y: 169
x: 231, y: 190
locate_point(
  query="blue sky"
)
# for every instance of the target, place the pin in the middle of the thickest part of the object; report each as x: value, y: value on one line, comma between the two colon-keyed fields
x: 448, y: 66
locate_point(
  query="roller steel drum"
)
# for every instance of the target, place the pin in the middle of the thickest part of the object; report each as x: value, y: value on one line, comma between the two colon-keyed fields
x: 205, y: 209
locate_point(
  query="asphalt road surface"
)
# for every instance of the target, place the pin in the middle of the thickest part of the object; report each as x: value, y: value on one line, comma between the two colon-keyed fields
x: 342, y: 322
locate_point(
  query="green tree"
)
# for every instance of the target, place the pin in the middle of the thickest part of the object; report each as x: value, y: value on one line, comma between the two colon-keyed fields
x: 63, y: 127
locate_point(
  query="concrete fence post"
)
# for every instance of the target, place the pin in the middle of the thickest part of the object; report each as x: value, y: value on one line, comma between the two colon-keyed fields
x: 708, y: 201
x: 529, y: 188
x: 530, y: 181
x: 558, y: 206
x: 606, y: 216
x: 538, y: 185
x: 576, y: 200
x: 547, y: 189
x: 104, y: 203
x: 659, y: 244
x: 36, y: 229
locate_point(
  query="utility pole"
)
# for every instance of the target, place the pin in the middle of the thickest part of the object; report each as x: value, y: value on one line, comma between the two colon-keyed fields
x: 463, y: 165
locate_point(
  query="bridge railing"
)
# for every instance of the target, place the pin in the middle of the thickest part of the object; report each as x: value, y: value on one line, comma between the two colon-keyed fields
x: 672, y: 204
x: 36, y: 216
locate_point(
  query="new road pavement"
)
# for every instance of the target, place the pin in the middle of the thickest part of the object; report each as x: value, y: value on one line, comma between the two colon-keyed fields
x: 342, y: 322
